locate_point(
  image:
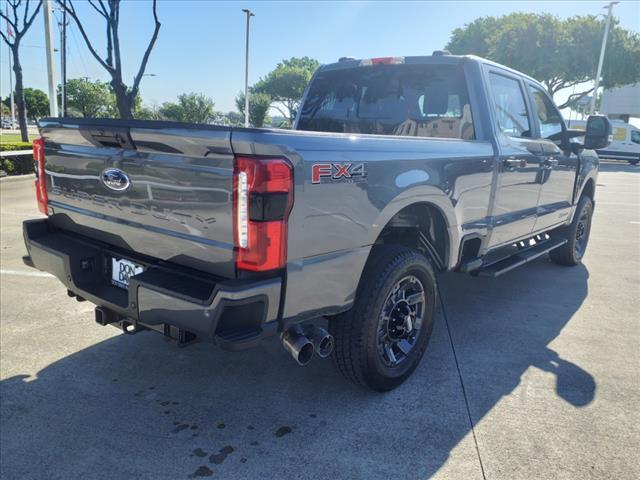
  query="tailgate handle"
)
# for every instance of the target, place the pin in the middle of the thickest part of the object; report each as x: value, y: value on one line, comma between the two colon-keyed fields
x: 113, y: 137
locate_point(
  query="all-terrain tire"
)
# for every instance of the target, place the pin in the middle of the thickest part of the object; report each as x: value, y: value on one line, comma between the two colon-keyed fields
x: 357, y: 352
x: 577, y: 235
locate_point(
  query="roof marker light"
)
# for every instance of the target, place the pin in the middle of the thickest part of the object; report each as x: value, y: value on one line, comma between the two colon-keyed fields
x: 382, y: 61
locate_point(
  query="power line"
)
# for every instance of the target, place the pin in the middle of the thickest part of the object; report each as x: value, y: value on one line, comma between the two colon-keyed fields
x: 75, y: 41
x: 78, y: 49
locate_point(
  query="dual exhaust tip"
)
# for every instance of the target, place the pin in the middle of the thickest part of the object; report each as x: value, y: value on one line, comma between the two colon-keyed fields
x: 303, y: 341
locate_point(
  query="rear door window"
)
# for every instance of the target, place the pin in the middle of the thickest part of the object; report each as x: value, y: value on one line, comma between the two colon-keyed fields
x: 405, y: 100
x: 510, y: 106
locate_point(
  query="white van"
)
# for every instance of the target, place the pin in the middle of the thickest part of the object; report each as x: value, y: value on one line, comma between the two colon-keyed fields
x: 625, y: 144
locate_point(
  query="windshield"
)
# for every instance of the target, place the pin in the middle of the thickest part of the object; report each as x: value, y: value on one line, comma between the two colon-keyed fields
x: 408, y: 100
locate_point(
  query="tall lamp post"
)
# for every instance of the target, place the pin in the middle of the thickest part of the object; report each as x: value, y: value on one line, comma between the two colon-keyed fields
x: 601, y: 61
x: 51, y: 71
x: 63, y: 61
x: 249, y: 14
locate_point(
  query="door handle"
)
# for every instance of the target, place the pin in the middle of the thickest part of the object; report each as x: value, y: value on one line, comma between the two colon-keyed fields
x: 550, y: 162
x: 515, y: 162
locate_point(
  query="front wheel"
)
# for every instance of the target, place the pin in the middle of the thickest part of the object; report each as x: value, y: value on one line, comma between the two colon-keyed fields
x: 381, y: 340
x: 577, y: 235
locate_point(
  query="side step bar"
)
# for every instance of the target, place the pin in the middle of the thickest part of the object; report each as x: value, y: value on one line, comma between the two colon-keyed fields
x: 496, y: 269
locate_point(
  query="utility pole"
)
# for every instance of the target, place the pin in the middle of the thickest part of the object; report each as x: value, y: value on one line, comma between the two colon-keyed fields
x: 13, y: 106
x: 11, y: 33
x: 51, y: 73
x: 246, y: 71
x: 601, y: 61
x: 63, y: 60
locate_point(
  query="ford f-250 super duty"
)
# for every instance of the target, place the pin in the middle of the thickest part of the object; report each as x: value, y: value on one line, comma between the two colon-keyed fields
x: 397, y: 169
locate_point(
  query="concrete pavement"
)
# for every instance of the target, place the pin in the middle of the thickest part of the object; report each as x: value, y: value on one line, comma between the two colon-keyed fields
x: 530, y: 375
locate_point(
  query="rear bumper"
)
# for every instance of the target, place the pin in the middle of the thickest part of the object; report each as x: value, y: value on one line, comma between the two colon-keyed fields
x: 235, y: 314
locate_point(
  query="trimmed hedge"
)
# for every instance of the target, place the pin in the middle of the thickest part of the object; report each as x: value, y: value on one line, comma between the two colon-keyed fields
x: 17, y: 165
x: 10, y: 146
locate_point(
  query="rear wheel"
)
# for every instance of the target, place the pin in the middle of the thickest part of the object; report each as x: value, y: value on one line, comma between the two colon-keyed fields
x: 381, y: 340
x: 577, y: 235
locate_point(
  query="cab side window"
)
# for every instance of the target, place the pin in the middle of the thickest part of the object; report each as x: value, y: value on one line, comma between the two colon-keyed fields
x: 635, y: 136
x: 511, y: 109
x: 548, y: 116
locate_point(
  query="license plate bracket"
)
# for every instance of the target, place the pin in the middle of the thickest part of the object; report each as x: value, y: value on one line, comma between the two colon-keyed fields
x: 122, y: 270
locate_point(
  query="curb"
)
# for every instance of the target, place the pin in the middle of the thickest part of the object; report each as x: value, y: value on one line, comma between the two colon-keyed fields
x: 15, y: 178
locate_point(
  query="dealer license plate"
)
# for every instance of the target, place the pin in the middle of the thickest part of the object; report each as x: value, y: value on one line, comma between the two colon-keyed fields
x: 122, y: 270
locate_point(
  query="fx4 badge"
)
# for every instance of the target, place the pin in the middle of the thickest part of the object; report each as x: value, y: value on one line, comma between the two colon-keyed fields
x: 338, y: 173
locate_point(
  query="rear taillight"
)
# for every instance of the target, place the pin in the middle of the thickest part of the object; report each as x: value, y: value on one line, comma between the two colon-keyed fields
x: 41, y: 184
x: 262, y: 200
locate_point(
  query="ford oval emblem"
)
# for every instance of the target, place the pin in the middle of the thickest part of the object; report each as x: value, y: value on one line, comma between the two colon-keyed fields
x: 115, y: 179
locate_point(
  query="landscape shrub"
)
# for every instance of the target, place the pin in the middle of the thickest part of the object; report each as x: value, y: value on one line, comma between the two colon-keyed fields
x: 10, y: 146
x: 20, y: 165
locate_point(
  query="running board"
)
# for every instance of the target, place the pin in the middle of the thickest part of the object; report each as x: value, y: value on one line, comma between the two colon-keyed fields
x: 496, y: 269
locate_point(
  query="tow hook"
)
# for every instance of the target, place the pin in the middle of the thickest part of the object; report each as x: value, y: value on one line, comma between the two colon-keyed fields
x: 129, y: 328
x: 104, y: 316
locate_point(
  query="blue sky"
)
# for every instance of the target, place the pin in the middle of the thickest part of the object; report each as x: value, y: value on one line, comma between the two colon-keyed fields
x: 201, y: 43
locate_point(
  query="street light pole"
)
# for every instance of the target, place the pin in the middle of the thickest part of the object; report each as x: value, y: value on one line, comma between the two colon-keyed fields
x: 13, y: 105
x: 601, y: 60
x: 249, y: 14
x: 51, y: 72
x: 144, y: 75
x: 63, y: 60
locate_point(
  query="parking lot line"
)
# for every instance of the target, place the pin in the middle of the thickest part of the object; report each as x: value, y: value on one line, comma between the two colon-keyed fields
x: 25, y: 273
x: 625, y: 204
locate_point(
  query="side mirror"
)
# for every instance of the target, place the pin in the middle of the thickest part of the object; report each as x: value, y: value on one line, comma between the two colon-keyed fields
x: 598, y: 133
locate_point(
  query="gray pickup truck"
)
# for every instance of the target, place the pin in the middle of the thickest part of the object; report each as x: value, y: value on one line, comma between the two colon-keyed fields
x: 397, y: 169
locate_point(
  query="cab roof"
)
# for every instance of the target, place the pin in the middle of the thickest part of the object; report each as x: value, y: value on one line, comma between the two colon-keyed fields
x: 440, y: 57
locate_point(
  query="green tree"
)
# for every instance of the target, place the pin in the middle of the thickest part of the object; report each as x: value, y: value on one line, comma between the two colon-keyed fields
x: 90, y: 99
x: 235, y: 119
x: 17, y: 24
x: 286, y: 83
x: 35, y: 100
x: 560, y: 53
x: 125, y: 95
x: 147, y: 112
x: 37, y: 103
x: 191, y: 108
x: 259, y: 104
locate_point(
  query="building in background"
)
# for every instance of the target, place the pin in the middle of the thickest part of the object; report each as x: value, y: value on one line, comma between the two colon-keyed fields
x: 621, y: 103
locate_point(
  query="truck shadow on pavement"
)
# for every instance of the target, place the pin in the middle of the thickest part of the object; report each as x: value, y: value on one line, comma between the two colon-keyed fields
x: 139, y: 407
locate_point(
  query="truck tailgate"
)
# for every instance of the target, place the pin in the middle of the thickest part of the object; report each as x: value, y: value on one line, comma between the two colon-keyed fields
x: 178, y: 204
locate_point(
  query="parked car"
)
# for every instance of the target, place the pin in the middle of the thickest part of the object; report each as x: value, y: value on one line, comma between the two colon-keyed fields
x: 625, y: 144
x: 397, y: 169
x: 7, y: 124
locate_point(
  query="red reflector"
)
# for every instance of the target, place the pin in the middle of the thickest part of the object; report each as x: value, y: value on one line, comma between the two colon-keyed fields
x: 41, y: 184
x: 260, y: 245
